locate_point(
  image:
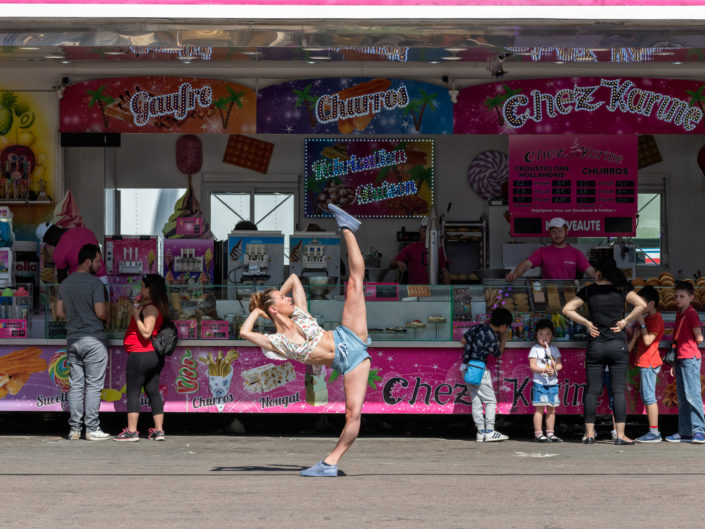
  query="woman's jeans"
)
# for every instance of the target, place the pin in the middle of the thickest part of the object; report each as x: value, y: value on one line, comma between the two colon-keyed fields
x: 690, y: 400
x: 612, y: 353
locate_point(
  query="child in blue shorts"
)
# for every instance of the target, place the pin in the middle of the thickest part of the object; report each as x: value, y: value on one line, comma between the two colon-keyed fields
x: 545, y: 362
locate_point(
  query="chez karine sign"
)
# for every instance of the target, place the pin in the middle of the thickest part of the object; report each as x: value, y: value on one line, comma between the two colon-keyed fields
x: 607, y: 105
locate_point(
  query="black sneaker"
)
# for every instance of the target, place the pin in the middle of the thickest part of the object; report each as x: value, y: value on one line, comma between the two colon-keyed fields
x: 126, y: 435
x: 156, y: 435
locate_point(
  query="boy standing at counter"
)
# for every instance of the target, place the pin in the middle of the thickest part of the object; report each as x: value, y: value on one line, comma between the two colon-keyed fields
x: 647, y: 336
x: 480, y: 342
x: 691, y: 422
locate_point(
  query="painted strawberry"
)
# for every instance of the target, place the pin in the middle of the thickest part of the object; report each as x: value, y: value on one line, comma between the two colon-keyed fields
x: 7, y: 103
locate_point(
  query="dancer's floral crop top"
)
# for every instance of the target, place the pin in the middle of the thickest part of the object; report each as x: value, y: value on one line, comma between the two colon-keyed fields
x: 297, y: 351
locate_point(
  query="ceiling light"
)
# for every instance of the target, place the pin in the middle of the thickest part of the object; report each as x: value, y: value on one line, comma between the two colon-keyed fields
x: 310, y: 62
x: 115, y: 52
x: 319, y: 58
x: 251, y: 53
x: 55, y: 56
x: 455, y: 50
x: 28, y: 48
x: 433, y: 62
x: 65, y: 62
x: 313, y: 49
x: 451, y: 58
x: 677, y: 62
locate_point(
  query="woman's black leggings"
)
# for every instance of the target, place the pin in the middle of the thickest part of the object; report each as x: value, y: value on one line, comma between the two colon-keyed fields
x: 612, y: 353
x: 143, y: 370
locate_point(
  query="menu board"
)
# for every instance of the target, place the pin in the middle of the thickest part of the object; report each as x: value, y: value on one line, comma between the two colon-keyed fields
x: 382, y: 177
x: 588, y: 180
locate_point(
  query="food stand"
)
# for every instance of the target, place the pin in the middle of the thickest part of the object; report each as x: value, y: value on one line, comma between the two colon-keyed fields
x: 415, y: 328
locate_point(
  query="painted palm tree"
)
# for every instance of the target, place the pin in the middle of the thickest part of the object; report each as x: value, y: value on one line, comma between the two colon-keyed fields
x: 497, y: 102
x: 308, y: 100
x: 418, y: 106
x: 103, y: 100
x: 697, y: 97
x: 232, y: 99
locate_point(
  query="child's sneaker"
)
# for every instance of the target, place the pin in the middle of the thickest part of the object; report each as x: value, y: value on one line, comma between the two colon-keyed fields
x: 492, y: 436
x: 649, y: 437
x: 344, y: 220
x: 126, y: 435
x: 155, y: 435
x: 74, y: 435
x: 480, y: 436
x: 698, y: 438
x: 675, y: 438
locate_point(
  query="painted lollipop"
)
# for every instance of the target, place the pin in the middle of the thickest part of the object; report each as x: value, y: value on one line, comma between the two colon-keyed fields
x: 59, y: 369
x: 487, y: 172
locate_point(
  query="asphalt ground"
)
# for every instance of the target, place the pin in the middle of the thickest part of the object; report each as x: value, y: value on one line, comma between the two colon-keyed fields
x: 404, y: 471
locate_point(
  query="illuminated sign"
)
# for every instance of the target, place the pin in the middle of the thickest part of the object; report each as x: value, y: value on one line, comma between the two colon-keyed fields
x: 334, y: 107
x: 144, y: 107
x: 369, y: 178
x: 623, y: 97
x: 588, y: 105
x: 158, y: 104
x: 354, y: 106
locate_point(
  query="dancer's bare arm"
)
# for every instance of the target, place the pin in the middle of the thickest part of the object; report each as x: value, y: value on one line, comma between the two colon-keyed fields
x: 298, y: 294
x: 248, y: 334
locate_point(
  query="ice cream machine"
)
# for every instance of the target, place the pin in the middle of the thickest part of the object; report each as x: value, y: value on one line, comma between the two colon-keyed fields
x: 189, y: 261
x: 256, y: 257
x: 315, y: 254
x: 127, y: 258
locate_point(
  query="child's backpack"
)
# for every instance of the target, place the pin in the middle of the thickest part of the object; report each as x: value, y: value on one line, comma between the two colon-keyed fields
x: 165, y: 341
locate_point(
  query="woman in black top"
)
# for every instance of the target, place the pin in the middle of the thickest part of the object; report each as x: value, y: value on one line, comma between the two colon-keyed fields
x: 607, y: 343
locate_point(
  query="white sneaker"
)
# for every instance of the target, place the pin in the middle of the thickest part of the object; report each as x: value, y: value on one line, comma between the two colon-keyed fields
x: 74, y: 435
x: 495, y: 436
x: 480, y: 437
x: 97, y: 435
x: 614, y: 435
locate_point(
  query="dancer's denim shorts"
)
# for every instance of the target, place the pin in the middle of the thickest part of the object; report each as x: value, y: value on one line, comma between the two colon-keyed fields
x: 350, y: 351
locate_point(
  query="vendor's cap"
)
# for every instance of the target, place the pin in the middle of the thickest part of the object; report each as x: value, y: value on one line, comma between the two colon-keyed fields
x: 557, y: 222
x: 424, y: 222
x: 42, y: 229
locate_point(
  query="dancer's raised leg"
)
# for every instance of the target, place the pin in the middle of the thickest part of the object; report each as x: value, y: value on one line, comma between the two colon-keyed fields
x: 354, y: 310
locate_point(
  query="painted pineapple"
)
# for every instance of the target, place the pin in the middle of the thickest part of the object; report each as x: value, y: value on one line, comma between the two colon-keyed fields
x: 7, y: 104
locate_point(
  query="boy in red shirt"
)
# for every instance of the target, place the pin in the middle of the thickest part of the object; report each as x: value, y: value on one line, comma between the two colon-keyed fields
x: 691, y: 422
x: 647, y: 335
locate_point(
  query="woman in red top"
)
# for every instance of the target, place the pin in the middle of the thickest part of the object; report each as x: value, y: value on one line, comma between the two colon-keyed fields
x: 144, y: 364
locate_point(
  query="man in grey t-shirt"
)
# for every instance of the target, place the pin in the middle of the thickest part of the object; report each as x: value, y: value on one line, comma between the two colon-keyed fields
x: 82, y: 302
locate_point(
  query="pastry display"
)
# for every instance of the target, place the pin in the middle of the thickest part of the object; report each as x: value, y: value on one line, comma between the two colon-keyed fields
x: 395, y: 329
x: 415, y: 324
x: 436, y: 319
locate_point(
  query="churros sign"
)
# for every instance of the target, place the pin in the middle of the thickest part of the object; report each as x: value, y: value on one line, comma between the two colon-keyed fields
x: 345, y: 106
x: 158, y: 104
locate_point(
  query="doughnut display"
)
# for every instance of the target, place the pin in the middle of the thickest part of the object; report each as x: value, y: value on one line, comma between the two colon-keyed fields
x: 59, y: 369
x: 187, y: 381
x: 487, y: 172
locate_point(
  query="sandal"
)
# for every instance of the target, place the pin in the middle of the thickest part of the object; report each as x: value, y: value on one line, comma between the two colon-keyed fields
x: 553, y: 438
x: 541, y: 439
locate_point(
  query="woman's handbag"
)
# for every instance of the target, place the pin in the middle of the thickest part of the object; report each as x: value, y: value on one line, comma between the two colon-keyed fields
x: 671, y: 355
x: 474, y: 372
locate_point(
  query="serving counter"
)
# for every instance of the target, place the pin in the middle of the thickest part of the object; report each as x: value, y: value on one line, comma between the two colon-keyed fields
x: 415, y: 353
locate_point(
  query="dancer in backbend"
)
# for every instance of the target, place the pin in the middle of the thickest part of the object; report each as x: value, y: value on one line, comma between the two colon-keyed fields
x: 299, y: 337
